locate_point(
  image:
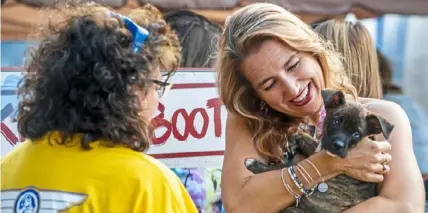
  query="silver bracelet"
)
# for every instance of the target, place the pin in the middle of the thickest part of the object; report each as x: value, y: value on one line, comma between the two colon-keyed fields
x: 322, y: 187
x: 312, y: 190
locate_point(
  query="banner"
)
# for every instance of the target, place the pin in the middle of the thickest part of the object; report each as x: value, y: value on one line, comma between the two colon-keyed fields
x: 190, y: 120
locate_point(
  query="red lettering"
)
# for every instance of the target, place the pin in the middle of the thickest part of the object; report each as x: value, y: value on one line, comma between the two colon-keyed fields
x: 159, y: 121
x: 175, y: 132
x: 216, y: 104
x: 205, y: 119
x: 8, y: 134
x: 189, y: 122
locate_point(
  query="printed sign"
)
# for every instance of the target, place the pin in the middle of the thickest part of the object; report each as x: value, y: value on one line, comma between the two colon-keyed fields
x: 190, y: 120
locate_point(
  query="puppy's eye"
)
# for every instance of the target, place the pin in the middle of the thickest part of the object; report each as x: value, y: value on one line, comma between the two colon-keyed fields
x: 337, y: 119
x: 356, y: 134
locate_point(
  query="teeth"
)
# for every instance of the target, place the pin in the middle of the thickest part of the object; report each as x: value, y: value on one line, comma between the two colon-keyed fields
x: 302, y: 96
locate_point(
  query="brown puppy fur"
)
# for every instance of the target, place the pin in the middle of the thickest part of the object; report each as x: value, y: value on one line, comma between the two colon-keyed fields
x: 345, y: 125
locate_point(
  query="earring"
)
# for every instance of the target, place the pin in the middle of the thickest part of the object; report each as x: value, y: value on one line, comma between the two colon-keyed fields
x: 263, y: 108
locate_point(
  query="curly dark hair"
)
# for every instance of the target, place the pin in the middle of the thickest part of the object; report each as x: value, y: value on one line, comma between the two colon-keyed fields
x: 83, y: 76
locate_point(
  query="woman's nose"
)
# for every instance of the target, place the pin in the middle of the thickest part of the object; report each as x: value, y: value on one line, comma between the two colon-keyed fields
x: 291, y: 86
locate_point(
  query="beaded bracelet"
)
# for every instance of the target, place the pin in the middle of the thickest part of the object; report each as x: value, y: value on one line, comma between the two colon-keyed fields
x: 296, y: 180
x: 289, y: 189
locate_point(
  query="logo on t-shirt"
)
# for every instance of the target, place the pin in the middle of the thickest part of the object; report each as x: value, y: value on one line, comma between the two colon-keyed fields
x: 27, y: 202
x: 33, y: 200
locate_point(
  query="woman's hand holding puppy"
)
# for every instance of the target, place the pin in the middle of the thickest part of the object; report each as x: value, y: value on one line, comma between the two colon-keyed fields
x: 367, y: 161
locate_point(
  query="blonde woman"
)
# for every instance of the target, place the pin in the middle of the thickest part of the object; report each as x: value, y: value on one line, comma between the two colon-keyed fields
x: 354, y: 42
x: 271, y: 69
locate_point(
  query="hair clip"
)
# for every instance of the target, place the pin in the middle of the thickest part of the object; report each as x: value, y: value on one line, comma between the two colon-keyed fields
x: 139, y: 34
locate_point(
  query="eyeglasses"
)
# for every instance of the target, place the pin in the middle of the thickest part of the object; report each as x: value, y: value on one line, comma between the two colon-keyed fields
x: 163, y: 87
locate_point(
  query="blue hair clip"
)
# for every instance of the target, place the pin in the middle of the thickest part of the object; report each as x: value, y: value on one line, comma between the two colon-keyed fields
x: 139, y: 34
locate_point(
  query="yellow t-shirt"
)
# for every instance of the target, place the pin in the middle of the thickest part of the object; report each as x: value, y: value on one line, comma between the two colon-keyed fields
x: 38, y: 176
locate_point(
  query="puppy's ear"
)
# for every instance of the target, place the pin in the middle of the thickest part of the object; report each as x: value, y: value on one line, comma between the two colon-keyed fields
x: 377, y: 125
x: 332, y: 98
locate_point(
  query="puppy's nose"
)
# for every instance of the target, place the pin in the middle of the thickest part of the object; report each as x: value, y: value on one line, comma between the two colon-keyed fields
x: 338, y: 145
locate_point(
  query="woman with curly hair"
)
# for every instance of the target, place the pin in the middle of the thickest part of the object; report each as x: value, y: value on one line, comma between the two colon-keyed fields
x: 91, y: 88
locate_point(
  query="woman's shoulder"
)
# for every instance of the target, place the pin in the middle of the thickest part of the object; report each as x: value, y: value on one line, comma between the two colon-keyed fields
x: 387, y: 109
x: 153, y: 166
x: 140, y: 166
x: 234, y: 121
x: 378, y: 103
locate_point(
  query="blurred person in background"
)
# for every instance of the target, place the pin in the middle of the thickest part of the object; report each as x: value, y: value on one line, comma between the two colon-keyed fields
x: 198, y: 37
x: 87, y: 98
x: 354, y: 43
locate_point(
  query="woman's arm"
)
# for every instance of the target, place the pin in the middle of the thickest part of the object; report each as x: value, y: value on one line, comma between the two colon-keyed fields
x: 242, y: 191
x: 403, y: 188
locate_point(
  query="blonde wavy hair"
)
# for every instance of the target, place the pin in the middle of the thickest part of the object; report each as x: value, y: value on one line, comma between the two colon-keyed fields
x: 243, y: 30
x: 360, y: 60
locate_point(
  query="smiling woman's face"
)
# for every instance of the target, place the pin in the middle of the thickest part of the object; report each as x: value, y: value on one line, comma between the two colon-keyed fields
x: 288, y: 81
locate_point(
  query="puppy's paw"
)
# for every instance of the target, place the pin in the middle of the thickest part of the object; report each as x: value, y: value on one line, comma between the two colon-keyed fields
x: 249, y: 162
x: 305, y: 143
x: 255, y: 166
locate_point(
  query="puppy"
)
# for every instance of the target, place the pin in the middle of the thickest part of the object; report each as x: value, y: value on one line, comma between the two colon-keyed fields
x: 345, y: 125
